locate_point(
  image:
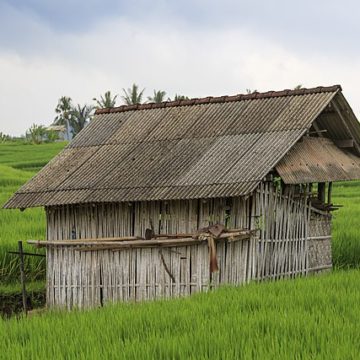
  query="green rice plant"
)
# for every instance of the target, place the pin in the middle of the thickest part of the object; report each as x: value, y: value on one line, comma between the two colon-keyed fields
x: 15, y: 287
x: 16, y: 225
x: 18, y: 163
x: 303, y: 318
x: 346, y: 220
x: 12, y: 154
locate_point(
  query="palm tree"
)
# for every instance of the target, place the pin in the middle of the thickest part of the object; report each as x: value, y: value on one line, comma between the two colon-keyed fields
x: 81, y: 115
x: 178, y: 97
x: 133, y: 95
x: 4, y: 137
x: 158, y: 96
x: 249, y: 91
x: 106, y: 102
x: 63, y: 109
x: 36, y: 133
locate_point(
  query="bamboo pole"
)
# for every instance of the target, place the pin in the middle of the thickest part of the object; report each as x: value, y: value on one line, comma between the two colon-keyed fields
x: 22, y: 276
x: 238, y: 235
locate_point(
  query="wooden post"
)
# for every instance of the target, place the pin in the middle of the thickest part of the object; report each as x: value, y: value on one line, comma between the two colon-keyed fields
x: 22, y: 276
x: 329, y: 192
x: 321, y: 191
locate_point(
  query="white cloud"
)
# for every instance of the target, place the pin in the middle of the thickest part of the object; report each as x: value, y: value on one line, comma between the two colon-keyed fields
x: 168, y: 56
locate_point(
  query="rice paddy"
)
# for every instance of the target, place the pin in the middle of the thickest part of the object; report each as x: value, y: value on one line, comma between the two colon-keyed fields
x: 304, y: 318
x: 18, y: 163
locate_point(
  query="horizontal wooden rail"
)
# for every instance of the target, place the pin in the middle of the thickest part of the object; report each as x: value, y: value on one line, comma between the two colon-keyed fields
x: 115, y: 243
x: 26, y: 253
x: 296, y: 239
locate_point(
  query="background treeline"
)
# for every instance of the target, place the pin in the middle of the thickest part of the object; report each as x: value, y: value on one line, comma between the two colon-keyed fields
x: 72, y: 118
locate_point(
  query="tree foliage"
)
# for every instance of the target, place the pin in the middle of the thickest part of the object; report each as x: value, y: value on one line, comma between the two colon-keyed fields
x: 249, y: 91
x: 64, y: 111
x: 36, y: 134
x: 179, y: 97
x: 107, y: 101
x: 133, y: 95
x: 80, y: 116
x: 158, y: 96
x: 4, y: 137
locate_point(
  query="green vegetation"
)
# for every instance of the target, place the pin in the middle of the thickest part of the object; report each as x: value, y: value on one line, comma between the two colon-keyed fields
x: 157, y: 97
x: 15, y: 287
x: 18, y: 163
x: 346, y: 230
x: 133, y: 95
x: 305, y: 318
x: 107, y: 101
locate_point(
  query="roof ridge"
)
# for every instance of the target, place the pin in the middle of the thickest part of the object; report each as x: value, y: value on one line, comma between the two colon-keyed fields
x: 221, y: 99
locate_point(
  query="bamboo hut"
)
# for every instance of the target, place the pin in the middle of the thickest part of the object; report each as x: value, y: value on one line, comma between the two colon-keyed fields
x: 163, y: 200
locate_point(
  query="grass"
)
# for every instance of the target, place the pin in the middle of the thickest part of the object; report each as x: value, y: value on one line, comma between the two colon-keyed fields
x: 305, y: 318
x: 18, y: 163
x: 346, y: 229
x: 15, y: 287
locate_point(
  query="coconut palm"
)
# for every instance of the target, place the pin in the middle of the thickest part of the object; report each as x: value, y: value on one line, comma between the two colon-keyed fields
x: 81, y: 115
x: 4, y: 137
x: 158, y: 96
x: 36, y: 133
x: 249, y: 91
x: 106, y: 102
x: 133, y: 95
x: 63, y: 109
x: 178, y: 97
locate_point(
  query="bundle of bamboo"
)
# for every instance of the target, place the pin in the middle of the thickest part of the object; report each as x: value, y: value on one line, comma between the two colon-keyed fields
x: 163, y: 240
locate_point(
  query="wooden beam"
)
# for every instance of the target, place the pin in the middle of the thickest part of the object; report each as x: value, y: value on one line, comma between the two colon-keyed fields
x: 74, y: 241
x: 234, y: 235
x: 321, y: 191
x: 329, y: 192
x: 25, y: 253
x: 317, y: 129
x: 343, y: 120
x: 347, y: 143
x: 22, y: 276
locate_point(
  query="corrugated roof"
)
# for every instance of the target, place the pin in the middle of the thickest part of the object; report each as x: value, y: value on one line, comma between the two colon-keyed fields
x: 198, y: 148
x: 318, y: 160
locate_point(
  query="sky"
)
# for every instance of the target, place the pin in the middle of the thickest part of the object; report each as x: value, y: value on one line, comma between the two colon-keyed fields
x: 82, y: 48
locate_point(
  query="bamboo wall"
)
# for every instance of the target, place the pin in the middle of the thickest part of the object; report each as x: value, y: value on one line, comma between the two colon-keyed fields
x: 282, y: 221
x: 319, y: 242
x: 92, y: 278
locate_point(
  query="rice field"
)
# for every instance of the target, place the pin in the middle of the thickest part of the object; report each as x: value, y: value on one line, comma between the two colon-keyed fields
x: 18, y: 163
x: 346, y: 225
x: 305, y: 318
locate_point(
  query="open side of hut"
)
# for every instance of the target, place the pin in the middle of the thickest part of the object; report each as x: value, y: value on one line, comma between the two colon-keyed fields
x: 161, y: 200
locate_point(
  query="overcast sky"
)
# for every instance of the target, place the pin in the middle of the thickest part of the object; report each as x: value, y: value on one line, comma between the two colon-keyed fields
x: 81, y: 48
